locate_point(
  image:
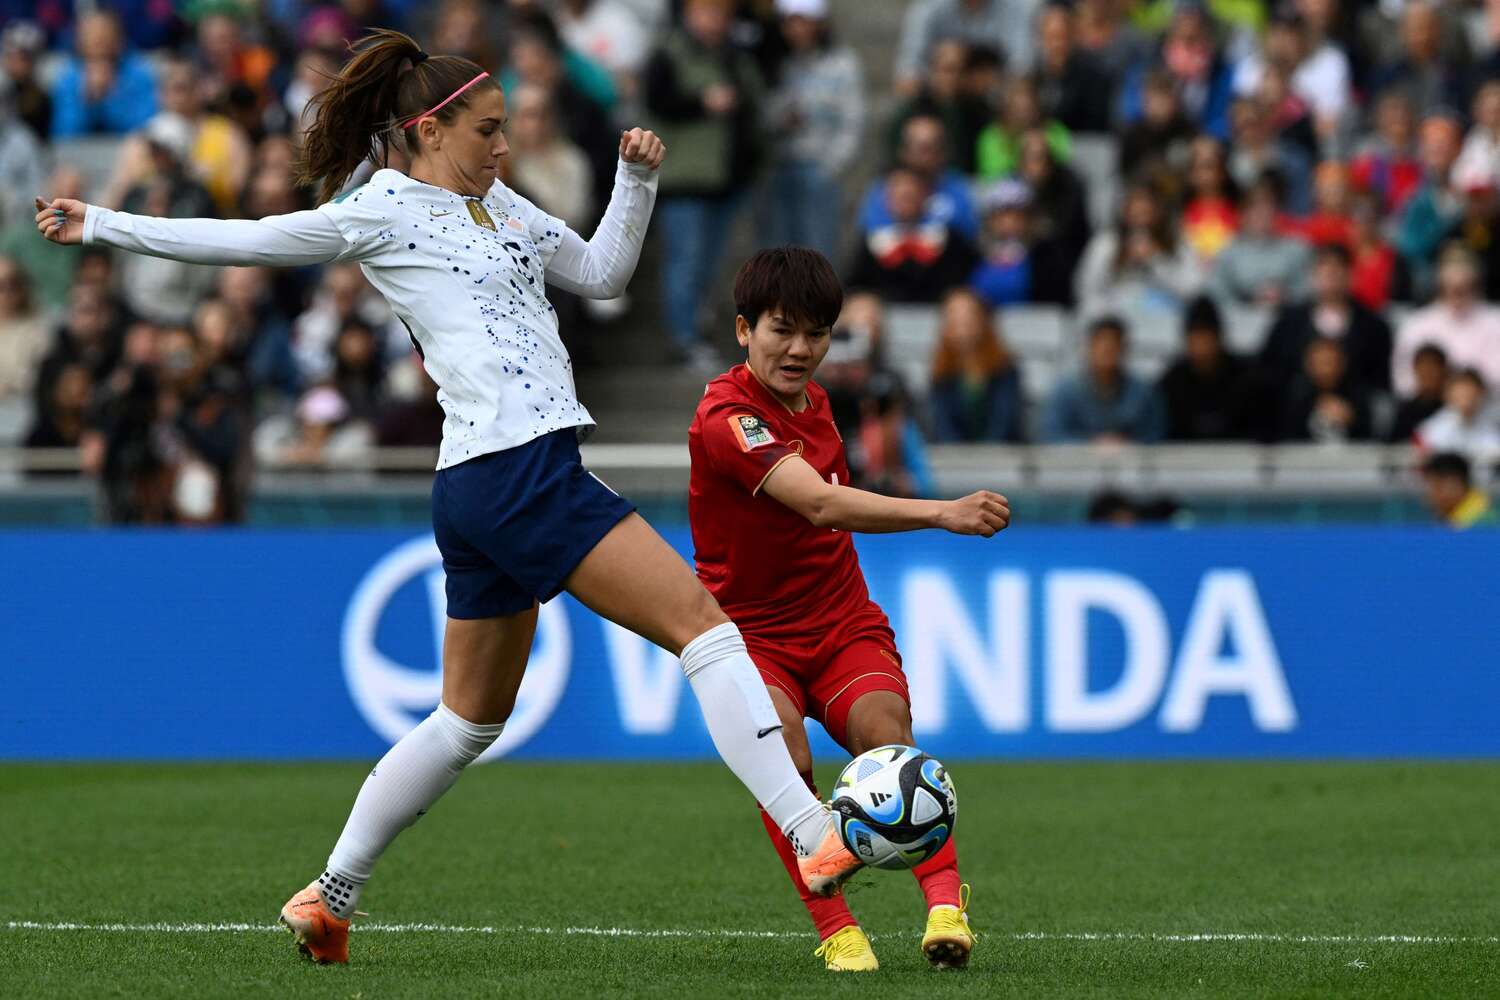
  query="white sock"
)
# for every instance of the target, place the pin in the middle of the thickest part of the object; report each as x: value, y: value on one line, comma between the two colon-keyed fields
x: 747, y: 733
x: 403, y: 786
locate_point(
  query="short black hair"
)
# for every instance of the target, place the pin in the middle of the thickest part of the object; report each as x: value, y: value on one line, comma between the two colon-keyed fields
x: 1203, y: 314
x: 1431, y: 350
x: 1447, y: 464
x: 1110, y: 324
x: 798, y: 281
x: 1337, y: 252
x: 1471, y: 375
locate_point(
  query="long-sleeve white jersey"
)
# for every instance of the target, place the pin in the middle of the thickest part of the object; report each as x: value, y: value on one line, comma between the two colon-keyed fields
x: 467, y: 276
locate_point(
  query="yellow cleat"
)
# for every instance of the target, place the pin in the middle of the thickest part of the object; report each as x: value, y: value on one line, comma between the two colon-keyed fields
x: 848, y: 950
x: 949, y: 938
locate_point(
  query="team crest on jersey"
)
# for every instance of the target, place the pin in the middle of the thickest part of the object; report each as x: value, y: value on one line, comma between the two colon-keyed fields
x: 750, y: 431
x: 480, y: 215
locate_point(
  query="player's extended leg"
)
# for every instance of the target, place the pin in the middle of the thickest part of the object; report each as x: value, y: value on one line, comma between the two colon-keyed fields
x: 842, y: 944
x: 483, y: 663
x: 879, y: 718
x: 635, y: 579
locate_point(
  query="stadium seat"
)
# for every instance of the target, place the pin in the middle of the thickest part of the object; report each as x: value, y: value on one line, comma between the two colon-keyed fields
x: 94, y: 156
x: 1245, y: 327
x: 1035, y: 331
x: 1096, y: 161
x: 910, y: 335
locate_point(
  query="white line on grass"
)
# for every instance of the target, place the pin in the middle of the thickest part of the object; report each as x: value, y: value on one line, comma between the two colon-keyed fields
x: 706, y: 932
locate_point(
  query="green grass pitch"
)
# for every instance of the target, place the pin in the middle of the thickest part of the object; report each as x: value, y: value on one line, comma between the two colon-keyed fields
x: 1313, y: 863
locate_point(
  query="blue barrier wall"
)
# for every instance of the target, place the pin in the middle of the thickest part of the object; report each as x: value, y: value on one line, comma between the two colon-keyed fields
x: 1040, y: 643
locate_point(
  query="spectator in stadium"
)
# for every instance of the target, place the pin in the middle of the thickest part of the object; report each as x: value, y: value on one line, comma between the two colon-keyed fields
x: 202, y: 430
x: 1429, y: 368
x: 1210, y: 213
x: 546, y: 165
x: 537, y: 57
x: 232, y: 68
x: 21, y: 45
x: 888, y: 451
x: 310, y: 77
x: 1331, y: 220
x: 1436, y: 205
x: 975, y: 390
x: 1480, y: 156
x: 1060, y: 216
x: 1257, y: 145
x: 1154, y: 147
x: 1376, y: 272
x: 414, y: 419
x: 608, y: 32
x: 984, y: 77
x: 853, y: 359
x: 218, y: 156
x: 1071, y: 88
x: 91, y: 335
x: 1113, y: 508
x: 103, y: 88
x: 1106, y: 35
x: 1468, y: 423
x: 943, y: 95
x: 166, y: 291
x: 1319, y: 76
x: 818, y: 111
x: 1451, y: 493
x: 1330, y: 311
x: 999, y: 150
x: 1137, y: 264
x: 21, y: 163
x: 1466, y: 328
x: 321, y: 431
x: 911, y: 259
x: 1386, y: 162
x: 1428, y: 77
x: 1260, y: 265
x: 929, y: 22
x: 359, y: 370
x: 1105, y: 403
x: 1325, y: 403
x: 1015, y: 265
x: 1209, y: 393
x: 342, y: 296
x: 924, y: 151
x: 61, y: 416
x: 1190, y: 54
x: 707, y: 96
x: 25, y: 335
x: 266, y: 328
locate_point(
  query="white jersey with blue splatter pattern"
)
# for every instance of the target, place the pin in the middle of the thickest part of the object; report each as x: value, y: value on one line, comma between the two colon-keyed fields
x: 467, y: 276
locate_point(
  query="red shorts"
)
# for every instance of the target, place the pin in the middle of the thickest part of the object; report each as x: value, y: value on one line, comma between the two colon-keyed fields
x: 826, y: 675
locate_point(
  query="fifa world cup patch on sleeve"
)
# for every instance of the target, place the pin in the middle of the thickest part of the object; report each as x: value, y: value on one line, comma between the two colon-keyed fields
x: 750, y: 431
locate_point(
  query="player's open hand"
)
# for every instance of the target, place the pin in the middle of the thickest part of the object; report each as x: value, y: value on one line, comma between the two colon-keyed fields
x: 61, y: 219
x: 982, y: 513
x: 642, y: 146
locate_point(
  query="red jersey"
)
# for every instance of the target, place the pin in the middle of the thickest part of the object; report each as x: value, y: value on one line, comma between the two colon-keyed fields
x: 777, y: 575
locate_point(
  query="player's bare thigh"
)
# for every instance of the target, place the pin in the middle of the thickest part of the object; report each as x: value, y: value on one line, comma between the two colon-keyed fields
x: 792, y: 729
x: 635, y: 579
x: 875, y: 719
x: 484, y: 660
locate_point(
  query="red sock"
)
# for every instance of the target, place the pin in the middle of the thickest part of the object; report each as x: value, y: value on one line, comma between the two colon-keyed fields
x: 938, y: 877
x: 828, y: 915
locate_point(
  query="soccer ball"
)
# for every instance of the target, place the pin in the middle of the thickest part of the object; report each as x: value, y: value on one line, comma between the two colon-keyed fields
x: 895, y: 806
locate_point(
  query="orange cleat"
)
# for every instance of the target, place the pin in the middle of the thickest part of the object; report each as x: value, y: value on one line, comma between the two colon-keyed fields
x: 320, y: 935
x: 828, y: 867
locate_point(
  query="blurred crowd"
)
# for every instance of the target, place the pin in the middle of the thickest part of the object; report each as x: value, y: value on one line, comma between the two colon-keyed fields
x: 1332, y: 166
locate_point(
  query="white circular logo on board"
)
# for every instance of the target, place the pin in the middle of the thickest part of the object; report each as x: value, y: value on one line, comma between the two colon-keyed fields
x: 394, y: 697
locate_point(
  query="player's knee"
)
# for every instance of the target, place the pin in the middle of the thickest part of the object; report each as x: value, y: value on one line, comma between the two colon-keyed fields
x: 888, y: 721
x: 700, y: 614
x: 466, y: 737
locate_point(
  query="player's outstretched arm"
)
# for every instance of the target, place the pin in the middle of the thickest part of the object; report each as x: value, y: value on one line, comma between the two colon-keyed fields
x: 293, y: 240
x: 602, y: 267
x: 797, y: 485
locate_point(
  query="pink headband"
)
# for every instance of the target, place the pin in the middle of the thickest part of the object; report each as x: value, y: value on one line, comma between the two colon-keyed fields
x: 435, y: 109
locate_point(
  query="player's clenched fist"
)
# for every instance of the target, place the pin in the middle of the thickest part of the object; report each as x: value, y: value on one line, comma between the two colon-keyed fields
x: 642, y: 146
x: 61, y: 219
x: 982, y: 513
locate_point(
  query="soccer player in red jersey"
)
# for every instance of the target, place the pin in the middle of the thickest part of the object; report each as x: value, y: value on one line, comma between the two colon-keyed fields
x: 771, y: 513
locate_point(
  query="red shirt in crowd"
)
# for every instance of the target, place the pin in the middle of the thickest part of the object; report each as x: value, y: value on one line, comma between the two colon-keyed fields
x: 777, y: 575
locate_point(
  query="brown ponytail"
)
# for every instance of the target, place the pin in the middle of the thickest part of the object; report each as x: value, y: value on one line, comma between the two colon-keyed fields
x: 365, y: 104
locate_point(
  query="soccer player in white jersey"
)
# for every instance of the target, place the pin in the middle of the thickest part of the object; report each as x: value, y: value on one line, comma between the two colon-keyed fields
x: 463, y: 261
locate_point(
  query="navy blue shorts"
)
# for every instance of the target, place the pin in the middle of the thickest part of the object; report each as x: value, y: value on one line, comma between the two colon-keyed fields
x: 512, y: 525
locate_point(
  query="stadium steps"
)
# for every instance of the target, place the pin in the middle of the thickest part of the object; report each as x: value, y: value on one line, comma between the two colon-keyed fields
x: 642, y: 404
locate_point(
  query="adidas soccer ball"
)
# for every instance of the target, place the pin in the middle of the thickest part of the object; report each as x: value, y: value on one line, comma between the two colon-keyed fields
x: 895, y: 806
